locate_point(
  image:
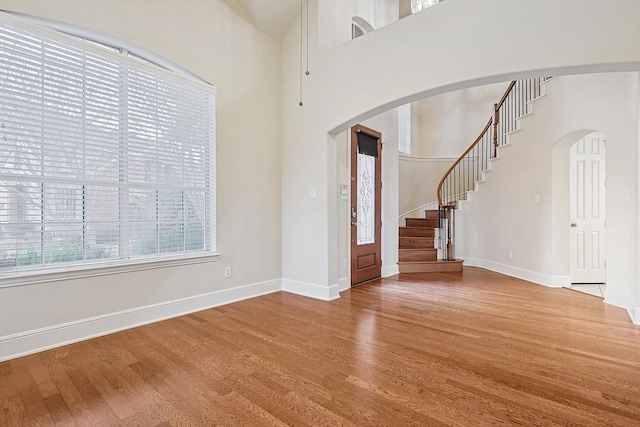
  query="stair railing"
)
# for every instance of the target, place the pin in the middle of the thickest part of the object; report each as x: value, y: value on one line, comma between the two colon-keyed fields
x: 462, y: 176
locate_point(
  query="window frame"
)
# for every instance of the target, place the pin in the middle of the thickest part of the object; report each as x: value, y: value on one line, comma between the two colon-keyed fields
x: 65, y: 271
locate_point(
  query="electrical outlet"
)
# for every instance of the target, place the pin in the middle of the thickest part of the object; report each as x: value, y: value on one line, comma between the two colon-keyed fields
x: 227, y: 272
x: 344, y: 263
x: 510, y: 254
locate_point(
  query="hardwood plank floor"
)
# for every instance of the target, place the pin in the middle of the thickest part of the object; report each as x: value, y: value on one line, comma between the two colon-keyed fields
x: 470, y: 349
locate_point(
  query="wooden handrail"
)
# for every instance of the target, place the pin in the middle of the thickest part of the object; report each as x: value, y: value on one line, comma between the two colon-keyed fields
x: 493, y: 120
x: 506, y: 94
x: 460, y: 159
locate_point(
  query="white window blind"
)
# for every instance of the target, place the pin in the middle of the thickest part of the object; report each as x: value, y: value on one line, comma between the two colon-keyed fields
x: 103, y: 157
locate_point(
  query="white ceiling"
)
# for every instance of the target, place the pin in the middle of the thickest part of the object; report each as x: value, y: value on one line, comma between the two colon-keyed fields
x: 273, y: 17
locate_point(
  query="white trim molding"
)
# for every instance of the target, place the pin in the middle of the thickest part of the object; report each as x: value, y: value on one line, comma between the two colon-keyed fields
x: 617, y: 299
x: 390, y: 270
x: 44, y: 275
x: 311, y: 290
x: 406, y: 158
x: 344, y: 284
x: 519, y: 273
x: 635, y: 318
x: 29, y: 342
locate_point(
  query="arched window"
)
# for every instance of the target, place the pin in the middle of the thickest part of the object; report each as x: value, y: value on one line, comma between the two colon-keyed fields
x: 110, y: 152
x: 359, y: 27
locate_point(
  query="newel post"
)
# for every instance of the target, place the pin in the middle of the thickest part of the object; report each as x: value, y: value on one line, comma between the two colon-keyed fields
x: 496, y: 120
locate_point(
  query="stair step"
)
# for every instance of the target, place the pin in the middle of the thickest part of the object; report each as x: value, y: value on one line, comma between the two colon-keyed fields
x: 430, y: 254
x: 439, y: 266
x: 416, y: 232
x: 422, y: 222
x: 432, y: 214
x: 416, y: 242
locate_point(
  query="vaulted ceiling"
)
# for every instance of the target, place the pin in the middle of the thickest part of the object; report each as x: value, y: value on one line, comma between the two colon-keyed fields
x: 273, y: 17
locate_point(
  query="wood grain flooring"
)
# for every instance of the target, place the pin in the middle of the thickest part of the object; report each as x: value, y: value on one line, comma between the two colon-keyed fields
x: 463, y: 349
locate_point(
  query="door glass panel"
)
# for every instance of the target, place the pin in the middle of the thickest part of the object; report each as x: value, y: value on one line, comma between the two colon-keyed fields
x: 366, y: 233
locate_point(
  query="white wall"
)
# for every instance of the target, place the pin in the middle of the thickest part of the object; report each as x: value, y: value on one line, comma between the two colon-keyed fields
x: 503, y: 215
x: 453, y: 45
x: 209, y: 39
x: 445, y: 125
x: 418, y: 181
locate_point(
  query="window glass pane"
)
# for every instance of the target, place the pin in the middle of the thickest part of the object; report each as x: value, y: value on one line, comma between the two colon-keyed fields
x: 102, y: 218
x: 404, y: 128
x: 366, y: 199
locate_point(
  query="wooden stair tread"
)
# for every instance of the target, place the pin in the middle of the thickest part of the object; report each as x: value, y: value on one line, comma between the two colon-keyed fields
x: 433, y: 214
x: 422, y: 222
x: 416, y: 232
x: 417, y: 228
x: 439, y: 261
x: 417, y: 254
x: 438, y: 266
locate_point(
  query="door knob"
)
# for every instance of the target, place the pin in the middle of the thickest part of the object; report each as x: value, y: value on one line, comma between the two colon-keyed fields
x: 573, y: 224
x: 354, y: 223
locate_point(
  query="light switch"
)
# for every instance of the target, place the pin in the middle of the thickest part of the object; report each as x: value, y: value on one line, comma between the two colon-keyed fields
x: 313, y: 193
x: 344, y: 191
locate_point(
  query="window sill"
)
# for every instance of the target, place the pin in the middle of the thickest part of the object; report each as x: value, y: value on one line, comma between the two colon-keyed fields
x: 18, y: 278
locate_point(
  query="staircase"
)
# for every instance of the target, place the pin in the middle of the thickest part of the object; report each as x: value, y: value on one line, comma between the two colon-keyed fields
x: 417, y: 248
x: 418, y: 252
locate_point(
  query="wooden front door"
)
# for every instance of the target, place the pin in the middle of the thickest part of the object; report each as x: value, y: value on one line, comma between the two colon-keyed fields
x: 366, y: 223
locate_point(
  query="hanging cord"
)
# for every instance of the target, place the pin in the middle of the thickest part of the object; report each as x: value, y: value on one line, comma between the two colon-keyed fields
x: 302, y: 11
x: 301, y: 56
x: 307, y: 2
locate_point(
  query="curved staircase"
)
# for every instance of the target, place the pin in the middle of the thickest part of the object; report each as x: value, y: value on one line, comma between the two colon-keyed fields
x: 418, y: 251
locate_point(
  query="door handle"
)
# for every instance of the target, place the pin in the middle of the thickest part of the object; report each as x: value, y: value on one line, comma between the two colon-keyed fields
x: 573, y: 224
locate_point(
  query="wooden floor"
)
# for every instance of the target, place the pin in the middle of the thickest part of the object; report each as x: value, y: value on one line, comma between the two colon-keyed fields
x: 470, y: 349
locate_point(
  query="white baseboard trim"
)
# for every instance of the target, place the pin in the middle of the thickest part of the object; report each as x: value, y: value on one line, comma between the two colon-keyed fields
x: 635, y: 318
x: 520, y: 273
x: 34, y: 341
x: 390, y: 270
x: 325, y: 293
x: 344, y: 284
x: 617, y: 299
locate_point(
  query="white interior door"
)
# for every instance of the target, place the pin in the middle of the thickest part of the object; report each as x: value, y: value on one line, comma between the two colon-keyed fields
x: 587, y: 207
